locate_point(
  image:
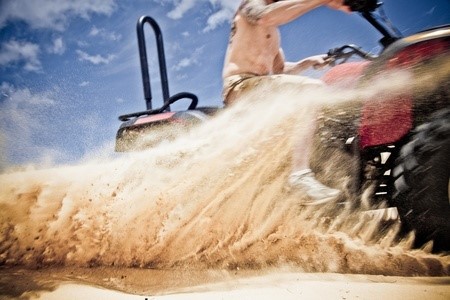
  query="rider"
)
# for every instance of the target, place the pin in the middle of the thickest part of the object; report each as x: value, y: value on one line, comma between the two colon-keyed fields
x: 254, y: 55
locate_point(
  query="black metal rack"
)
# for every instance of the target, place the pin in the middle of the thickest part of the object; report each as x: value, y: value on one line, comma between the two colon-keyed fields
x: 167, y: 99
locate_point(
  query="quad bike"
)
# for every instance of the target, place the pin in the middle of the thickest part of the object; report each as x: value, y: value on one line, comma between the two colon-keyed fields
x: 399, y: 142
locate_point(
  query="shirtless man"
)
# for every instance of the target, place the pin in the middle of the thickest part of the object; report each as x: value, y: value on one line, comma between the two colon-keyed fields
x: 254, y: 55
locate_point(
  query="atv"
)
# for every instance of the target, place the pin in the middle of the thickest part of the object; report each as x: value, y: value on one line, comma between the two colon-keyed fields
x: 399, y: 143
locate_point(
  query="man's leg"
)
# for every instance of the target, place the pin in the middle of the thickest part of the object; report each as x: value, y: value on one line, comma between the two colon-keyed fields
x: 302, y: 178
x: 304, y: 138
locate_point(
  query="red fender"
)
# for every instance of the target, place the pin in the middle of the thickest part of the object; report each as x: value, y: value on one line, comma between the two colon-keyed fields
x: 345, y: 75
x: 383, y: 120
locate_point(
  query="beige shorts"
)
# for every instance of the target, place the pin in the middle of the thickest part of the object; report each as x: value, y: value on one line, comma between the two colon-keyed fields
x: 236, y: 85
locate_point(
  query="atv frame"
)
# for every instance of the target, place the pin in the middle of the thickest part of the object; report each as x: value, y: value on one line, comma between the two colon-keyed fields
x: 400, y: 146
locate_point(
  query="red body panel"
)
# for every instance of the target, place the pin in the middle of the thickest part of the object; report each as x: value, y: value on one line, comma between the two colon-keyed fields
x: 154, y: 118
x: 383, y: 121
x: 346, y: 75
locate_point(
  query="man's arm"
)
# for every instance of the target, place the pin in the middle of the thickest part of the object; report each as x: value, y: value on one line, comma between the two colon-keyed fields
x: 293, y: 68
x: 258, y: 12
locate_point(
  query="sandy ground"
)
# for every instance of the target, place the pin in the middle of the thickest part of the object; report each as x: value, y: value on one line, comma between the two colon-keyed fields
x: 280, y: 283
x: 285, y: 286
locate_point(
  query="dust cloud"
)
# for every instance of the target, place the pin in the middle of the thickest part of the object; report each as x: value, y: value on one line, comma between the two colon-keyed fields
x: 213, y: 198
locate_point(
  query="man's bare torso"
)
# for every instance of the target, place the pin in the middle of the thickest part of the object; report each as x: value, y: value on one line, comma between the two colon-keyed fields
x: 252, y: 48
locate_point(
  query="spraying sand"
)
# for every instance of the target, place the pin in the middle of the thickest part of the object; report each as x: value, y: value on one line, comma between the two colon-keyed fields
x: 211, y: 204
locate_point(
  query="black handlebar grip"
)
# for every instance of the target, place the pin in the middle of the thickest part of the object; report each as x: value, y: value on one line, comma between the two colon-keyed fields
x: 362, y: 5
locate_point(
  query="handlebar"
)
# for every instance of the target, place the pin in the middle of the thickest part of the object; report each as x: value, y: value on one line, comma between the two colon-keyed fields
x: 345, y: 52
x: 362, y: 6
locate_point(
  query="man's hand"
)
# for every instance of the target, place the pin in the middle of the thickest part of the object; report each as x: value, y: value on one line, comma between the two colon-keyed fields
x: 318, y: 61
x: 338, y: 5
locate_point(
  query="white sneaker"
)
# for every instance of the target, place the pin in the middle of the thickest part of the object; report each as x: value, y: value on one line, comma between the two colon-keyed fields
x: 316, y: 191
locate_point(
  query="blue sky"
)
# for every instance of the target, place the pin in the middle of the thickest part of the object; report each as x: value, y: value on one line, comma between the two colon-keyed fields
x: 68, y: 69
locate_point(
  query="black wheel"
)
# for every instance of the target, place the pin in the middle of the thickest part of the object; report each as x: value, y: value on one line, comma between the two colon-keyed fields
x: 422, y: 183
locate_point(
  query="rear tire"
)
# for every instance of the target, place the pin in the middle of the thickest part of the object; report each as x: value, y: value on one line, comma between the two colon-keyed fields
x: 422, y: 183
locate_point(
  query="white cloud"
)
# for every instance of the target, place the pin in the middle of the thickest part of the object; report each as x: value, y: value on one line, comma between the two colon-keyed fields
x: 181, y: 8
x: 219, y: 17
x: 181, y: 76
x: 431, y: 11
x: 53, y: 14
x: 21, y: 118
x: 223, y: 10
x: 184, y: 63
x: 94, y: 59
x: 189, y: 61
x: 82, y: 44
x: 13, y: 52
x: 94, y: 31
x: 84, y: 83
x: 57, y: 47
x: 100, y: 32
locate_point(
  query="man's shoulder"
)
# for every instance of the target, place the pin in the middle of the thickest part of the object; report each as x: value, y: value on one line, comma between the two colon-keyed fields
x: 247, y: 6
x: 251, y: 10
